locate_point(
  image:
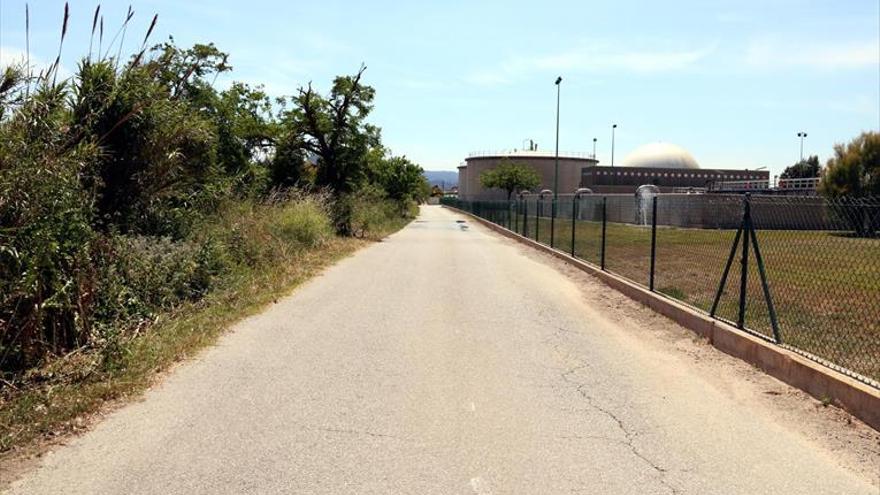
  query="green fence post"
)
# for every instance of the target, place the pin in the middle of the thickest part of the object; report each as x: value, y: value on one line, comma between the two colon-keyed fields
x: 574, y: 214
x: 744, y: 275
x: 517, y: 207
x: 765, y: 285
x: 539, y: 209
x: 653, y: 242
x: 604, y: 221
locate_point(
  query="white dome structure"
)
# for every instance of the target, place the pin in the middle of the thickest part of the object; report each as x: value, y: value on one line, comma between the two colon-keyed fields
x: 660, y: 155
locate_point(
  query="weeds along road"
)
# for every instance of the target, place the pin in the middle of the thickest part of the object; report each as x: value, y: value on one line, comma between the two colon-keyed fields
x: 449, y: 360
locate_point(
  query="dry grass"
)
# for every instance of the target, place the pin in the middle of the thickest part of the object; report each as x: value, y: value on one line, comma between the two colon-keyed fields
x: 825, y: 285
x: 76, y: 386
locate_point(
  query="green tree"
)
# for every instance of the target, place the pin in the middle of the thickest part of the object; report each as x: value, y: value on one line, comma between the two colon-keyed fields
x: 510, y: 176
x: 334, y: 129
x: 804, y: 169
x: 854, y: 170
x: 853, y: 173
x: 287, y: 166
x: 401, y: 179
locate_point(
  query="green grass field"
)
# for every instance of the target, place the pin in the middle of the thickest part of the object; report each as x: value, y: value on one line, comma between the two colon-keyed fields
x: 825, y: 285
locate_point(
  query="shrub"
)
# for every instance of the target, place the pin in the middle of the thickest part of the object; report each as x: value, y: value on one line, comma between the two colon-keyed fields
x: 373, y: 215
x: 46, y: 273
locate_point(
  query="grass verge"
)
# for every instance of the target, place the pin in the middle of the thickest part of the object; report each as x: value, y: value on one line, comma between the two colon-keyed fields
x: 76, y: 386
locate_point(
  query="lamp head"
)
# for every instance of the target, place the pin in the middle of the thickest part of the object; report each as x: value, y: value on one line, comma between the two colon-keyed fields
x: 558, y: 80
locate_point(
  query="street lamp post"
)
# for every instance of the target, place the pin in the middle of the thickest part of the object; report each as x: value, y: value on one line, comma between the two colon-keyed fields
x: 613, y: 127
x: 802, y: 135
x: 555, y: 166
x: 594, y: 148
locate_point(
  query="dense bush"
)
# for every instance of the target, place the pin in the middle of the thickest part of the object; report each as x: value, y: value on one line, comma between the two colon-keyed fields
x: 136, y: 186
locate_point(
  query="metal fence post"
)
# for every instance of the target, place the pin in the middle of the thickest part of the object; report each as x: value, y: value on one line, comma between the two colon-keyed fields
x: 653, y: 242
x: 539, y: 210
x: 509, y: 215
x: 765, y: 285
x: 604, y: 221
x: 574, y: 214
x: 525, y: 223
x: 517, y: 206
x: 726, y: 271
x: 744, y: 275
x: 552, y: 219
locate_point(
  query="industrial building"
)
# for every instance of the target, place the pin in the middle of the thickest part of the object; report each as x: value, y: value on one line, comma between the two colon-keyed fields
x: 570, y: 171
x: 669, y: 167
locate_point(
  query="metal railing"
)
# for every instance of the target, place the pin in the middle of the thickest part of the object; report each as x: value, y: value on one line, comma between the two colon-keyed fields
x: 798, y: 185
x: 525, y: 153
x: 802, y: 272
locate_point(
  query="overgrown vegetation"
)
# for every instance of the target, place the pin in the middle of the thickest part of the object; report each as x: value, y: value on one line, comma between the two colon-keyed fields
x: 137, y: 188
x: 807, y: 168
x: 854, y: 170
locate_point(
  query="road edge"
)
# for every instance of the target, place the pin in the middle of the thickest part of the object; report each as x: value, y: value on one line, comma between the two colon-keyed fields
x: 823, y: 383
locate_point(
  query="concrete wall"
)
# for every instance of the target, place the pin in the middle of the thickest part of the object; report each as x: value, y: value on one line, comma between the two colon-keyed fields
x: 700, y: 211
x: 620, y: 180
x: 569, y: 173
x: 462, y: 181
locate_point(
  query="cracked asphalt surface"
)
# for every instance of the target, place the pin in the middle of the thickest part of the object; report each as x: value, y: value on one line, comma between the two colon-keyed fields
x: 442, y: 360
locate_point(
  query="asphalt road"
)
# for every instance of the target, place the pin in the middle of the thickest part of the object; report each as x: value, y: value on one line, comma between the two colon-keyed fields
x: 442, y: 360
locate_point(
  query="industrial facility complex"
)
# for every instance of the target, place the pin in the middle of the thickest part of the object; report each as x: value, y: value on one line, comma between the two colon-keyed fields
x: 669, y: 167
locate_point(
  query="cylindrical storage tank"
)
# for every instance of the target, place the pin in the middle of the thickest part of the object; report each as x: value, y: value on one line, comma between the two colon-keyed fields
x: 462, y: 182
x: 570, y: 167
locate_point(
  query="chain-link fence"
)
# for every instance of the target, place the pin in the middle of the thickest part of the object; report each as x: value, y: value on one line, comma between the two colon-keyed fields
x: 802, y: 272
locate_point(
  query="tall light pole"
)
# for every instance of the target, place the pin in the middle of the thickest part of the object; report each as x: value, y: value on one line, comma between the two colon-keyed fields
x: 802, y: 135
x: 555, y: 165
x: 594, y: 148
x: 613, y: 127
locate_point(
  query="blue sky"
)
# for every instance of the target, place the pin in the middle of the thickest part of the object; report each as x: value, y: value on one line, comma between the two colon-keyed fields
x: 732, y: 81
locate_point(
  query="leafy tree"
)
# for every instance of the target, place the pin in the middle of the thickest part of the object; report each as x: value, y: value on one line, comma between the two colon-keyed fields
x: 288, y: 163
x: 185, y: 72
x: 804, y: 169
x: 854, y: 170
x: 400, y: 178
x: 245, y: 127
x: 510, y: 176
x: 334, y: 129
x: 851, y: 174
x: 242, y: 115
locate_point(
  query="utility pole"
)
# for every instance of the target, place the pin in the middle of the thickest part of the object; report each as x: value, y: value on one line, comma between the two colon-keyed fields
x: 555, y: 165
x: 613, y: 128
x: 802, y: 135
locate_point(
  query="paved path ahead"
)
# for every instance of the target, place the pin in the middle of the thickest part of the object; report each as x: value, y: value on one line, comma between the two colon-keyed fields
x: 443, y: 360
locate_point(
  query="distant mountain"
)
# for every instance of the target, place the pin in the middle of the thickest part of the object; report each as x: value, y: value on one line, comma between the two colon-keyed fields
x: 443, y: 178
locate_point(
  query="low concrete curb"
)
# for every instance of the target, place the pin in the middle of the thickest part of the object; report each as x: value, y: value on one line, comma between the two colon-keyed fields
x: 823, y: 383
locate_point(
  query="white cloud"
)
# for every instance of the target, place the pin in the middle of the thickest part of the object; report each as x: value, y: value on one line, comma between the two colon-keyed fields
x: 591, y: 59
x: 777, y: 53
x: 10, y: 55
